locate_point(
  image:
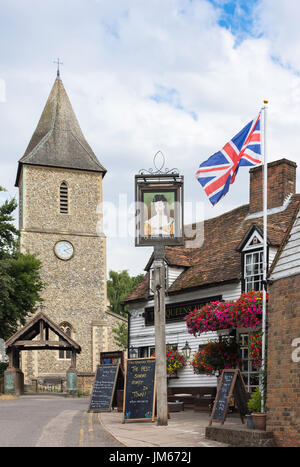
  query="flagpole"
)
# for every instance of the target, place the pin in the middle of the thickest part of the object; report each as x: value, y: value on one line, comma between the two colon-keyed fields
x: 265, y: 259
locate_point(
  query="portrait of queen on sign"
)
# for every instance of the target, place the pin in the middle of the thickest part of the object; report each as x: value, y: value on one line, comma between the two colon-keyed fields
x: 159, y: 210
x: 160, y: 223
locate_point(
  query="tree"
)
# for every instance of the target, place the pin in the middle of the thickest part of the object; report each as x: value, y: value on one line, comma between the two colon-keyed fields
x: 119, y: 286
x: 20, y: 282
x: 120, y: 335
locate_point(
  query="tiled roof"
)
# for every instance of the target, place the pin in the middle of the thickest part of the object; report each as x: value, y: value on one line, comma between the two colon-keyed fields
x: 141, y: 291
x: 58, y: 140
x: 32, y: 329
x: 218, y: 260
x: 174, y: 256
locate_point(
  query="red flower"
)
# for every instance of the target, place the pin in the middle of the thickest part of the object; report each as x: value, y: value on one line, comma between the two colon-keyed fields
x: 244, y: 312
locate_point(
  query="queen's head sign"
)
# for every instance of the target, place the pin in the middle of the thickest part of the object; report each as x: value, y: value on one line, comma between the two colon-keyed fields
x: 159, y: 210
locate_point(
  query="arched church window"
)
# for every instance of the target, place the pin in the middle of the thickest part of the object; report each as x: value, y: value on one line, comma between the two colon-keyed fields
x: 63, y: 198
x: 66, y: 354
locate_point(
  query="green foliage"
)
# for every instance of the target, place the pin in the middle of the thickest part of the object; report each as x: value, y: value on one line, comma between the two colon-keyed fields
x: 20, y: 282
x: 119, y: 286
x: 254, y: 403
x: 3, y: 367
x: 8, y: 231
x: 120, y: 335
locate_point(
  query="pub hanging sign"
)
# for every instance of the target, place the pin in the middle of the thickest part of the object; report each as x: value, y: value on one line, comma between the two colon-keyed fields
x: 159, y: 207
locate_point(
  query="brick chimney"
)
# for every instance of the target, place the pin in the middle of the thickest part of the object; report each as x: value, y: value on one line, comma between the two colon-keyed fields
x: 281, y: 183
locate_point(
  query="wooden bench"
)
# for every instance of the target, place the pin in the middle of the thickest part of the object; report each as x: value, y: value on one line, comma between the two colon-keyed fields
x: 175, y: 406
x: 200, y: 399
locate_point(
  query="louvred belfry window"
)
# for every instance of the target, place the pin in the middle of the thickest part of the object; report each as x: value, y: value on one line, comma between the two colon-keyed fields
x: 63, y: 199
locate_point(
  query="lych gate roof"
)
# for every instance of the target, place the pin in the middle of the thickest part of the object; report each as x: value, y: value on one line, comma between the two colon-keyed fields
x: 40, y: 326
x: 58, y: 140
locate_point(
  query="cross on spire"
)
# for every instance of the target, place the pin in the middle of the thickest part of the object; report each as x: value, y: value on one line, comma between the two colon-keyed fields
x: 58, y: 62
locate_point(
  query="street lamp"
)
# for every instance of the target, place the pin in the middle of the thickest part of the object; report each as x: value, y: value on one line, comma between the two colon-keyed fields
x: 186, y: 350
x: 133, y: 352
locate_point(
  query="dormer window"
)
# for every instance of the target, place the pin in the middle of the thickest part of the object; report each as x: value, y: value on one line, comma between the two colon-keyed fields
x: 63, y: 199
x: 253, y: 270
x: 252, y: 260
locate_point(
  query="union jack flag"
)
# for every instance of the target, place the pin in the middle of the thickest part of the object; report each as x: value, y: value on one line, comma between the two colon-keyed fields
x: 219, y: 171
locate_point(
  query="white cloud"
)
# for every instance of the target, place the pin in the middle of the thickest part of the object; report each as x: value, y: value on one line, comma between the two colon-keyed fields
x: 2, y: 90
x: 118, y: 55
x: 278, y: 21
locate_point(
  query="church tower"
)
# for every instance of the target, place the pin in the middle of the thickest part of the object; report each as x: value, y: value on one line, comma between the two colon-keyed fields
x: 60, y: 197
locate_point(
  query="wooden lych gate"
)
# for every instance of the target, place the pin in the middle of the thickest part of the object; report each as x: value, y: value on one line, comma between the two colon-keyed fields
x: 35, y: 336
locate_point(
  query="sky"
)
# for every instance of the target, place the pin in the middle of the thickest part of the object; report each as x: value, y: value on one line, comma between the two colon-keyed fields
x: 177, y: 76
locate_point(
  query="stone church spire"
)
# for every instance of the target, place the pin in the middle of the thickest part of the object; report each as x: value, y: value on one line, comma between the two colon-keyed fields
x: 58, y: 140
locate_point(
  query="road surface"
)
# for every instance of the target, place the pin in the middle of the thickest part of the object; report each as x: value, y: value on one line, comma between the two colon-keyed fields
x: 51, y: 421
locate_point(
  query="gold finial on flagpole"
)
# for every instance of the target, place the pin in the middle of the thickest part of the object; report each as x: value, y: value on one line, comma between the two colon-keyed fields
x: 265, y: 101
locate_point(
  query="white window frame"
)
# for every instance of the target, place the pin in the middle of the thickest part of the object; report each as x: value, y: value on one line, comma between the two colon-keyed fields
x: 255, y: 276
x: 65, y: 355
x: 148, y: 351
x: 250, y: 374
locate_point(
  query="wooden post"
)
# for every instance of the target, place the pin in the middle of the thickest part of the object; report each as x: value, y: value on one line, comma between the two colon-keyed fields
x: 16, y: 359
x: 41, y: 330
x: 11, y: 358
x: 160, y: 335
x: 73, y: 359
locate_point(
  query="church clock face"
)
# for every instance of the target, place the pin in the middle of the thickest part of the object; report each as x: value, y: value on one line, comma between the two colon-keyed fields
x: 64, y: 250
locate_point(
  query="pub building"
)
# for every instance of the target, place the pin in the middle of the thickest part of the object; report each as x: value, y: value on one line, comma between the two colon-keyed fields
x: 283, y: 366
x: 229, y: 262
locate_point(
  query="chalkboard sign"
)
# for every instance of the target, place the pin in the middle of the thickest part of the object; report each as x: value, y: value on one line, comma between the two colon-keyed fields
x: 104, y: 388
x: 231, y: 384
x: 241, y: 395
x: 139, y: 393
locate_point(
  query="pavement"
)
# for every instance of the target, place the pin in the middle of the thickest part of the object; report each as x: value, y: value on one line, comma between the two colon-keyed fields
x: 185, y: 429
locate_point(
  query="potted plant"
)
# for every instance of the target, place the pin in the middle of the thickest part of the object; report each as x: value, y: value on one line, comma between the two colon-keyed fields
x: 254, y: 406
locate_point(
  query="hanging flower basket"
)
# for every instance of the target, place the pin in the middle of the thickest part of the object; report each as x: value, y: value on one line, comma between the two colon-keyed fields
x: 175, y: 362
x: 215, y: 356
x: 246, y: 312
